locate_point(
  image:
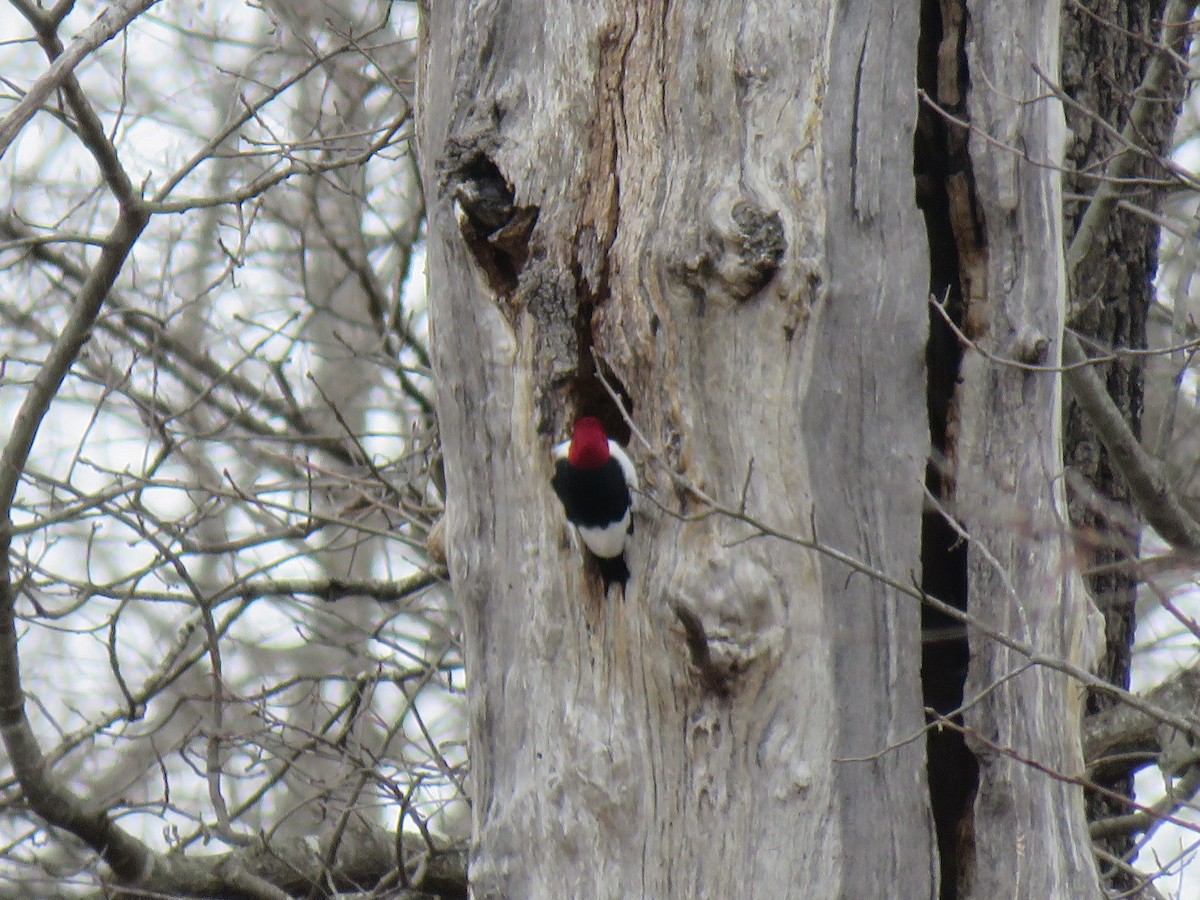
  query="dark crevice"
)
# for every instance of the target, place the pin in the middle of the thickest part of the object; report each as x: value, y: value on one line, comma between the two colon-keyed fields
x: 493, y: 226
x: 592, y: 380
x: 591, y: 385
x: 940, y: 154
x: 590, y: 397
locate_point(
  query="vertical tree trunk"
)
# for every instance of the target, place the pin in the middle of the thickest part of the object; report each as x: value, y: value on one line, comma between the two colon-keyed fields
x: 867, y: 435
x: 1030, y: 834
x: 711, y: 206
x: 1107, y: 49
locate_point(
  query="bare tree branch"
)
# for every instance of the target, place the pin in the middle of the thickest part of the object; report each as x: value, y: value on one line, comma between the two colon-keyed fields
x: 127, y: 856
x: 1153, y: 493
x: 1176, y: 18
x: 115, y: 18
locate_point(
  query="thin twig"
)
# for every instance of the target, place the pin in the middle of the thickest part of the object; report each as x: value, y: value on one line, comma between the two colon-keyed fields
x: 1186, y: 724
x: 1175, y: 19
x: 115, y: 18
x: 1148, y: 484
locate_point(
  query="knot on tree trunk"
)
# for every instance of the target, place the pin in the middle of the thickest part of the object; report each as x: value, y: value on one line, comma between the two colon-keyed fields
x: 738, y: 253
x: 731, y: 611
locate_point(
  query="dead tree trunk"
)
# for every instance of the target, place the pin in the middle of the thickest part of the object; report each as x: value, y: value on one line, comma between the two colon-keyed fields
x: 1010, y: 493
x: 709, y: 208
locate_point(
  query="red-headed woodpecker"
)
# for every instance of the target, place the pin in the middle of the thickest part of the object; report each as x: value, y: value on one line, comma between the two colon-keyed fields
x: 593, y: 477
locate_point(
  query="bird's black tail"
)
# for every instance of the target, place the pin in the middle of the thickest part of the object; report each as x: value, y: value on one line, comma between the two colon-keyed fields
x: 613, y: 569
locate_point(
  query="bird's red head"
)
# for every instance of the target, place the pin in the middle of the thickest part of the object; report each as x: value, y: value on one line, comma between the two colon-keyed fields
x: 589, y: 444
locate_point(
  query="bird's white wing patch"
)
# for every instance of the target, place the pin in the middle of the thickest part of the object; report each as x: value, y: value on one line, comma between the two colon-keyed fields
x: 561, y: 450
x: 626, y: 464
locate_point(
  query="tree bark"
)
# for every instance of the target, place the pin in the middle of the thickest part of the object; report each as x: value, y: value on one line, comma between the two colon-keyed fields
x: 866, y: 424
x: 1030, y: 833
x: 718, y: 222
x: 1107, y: 49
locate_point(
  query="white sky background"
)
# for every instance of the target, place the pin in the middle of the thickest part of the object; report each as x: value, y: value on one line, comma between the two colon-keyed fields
x: 164, y: 124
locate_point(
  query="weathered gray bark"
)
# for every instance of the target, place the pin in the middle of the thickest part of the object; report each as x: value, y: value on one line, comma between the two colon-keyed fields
x: 1031, y: 837
x: 724, y: 213
x: 867, y: 432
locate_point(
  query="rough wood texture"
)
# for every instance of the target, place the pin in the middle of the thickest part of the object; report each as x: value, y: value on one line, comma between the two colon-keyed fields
x: 1031, y: 837
x: 1107, y: 45
x: 866, y: 421
x: 717, y: 198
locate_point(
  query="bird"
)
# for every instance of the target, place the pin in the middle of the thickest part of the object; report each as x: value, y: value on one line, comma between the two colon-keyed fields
x: 594, y: 478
